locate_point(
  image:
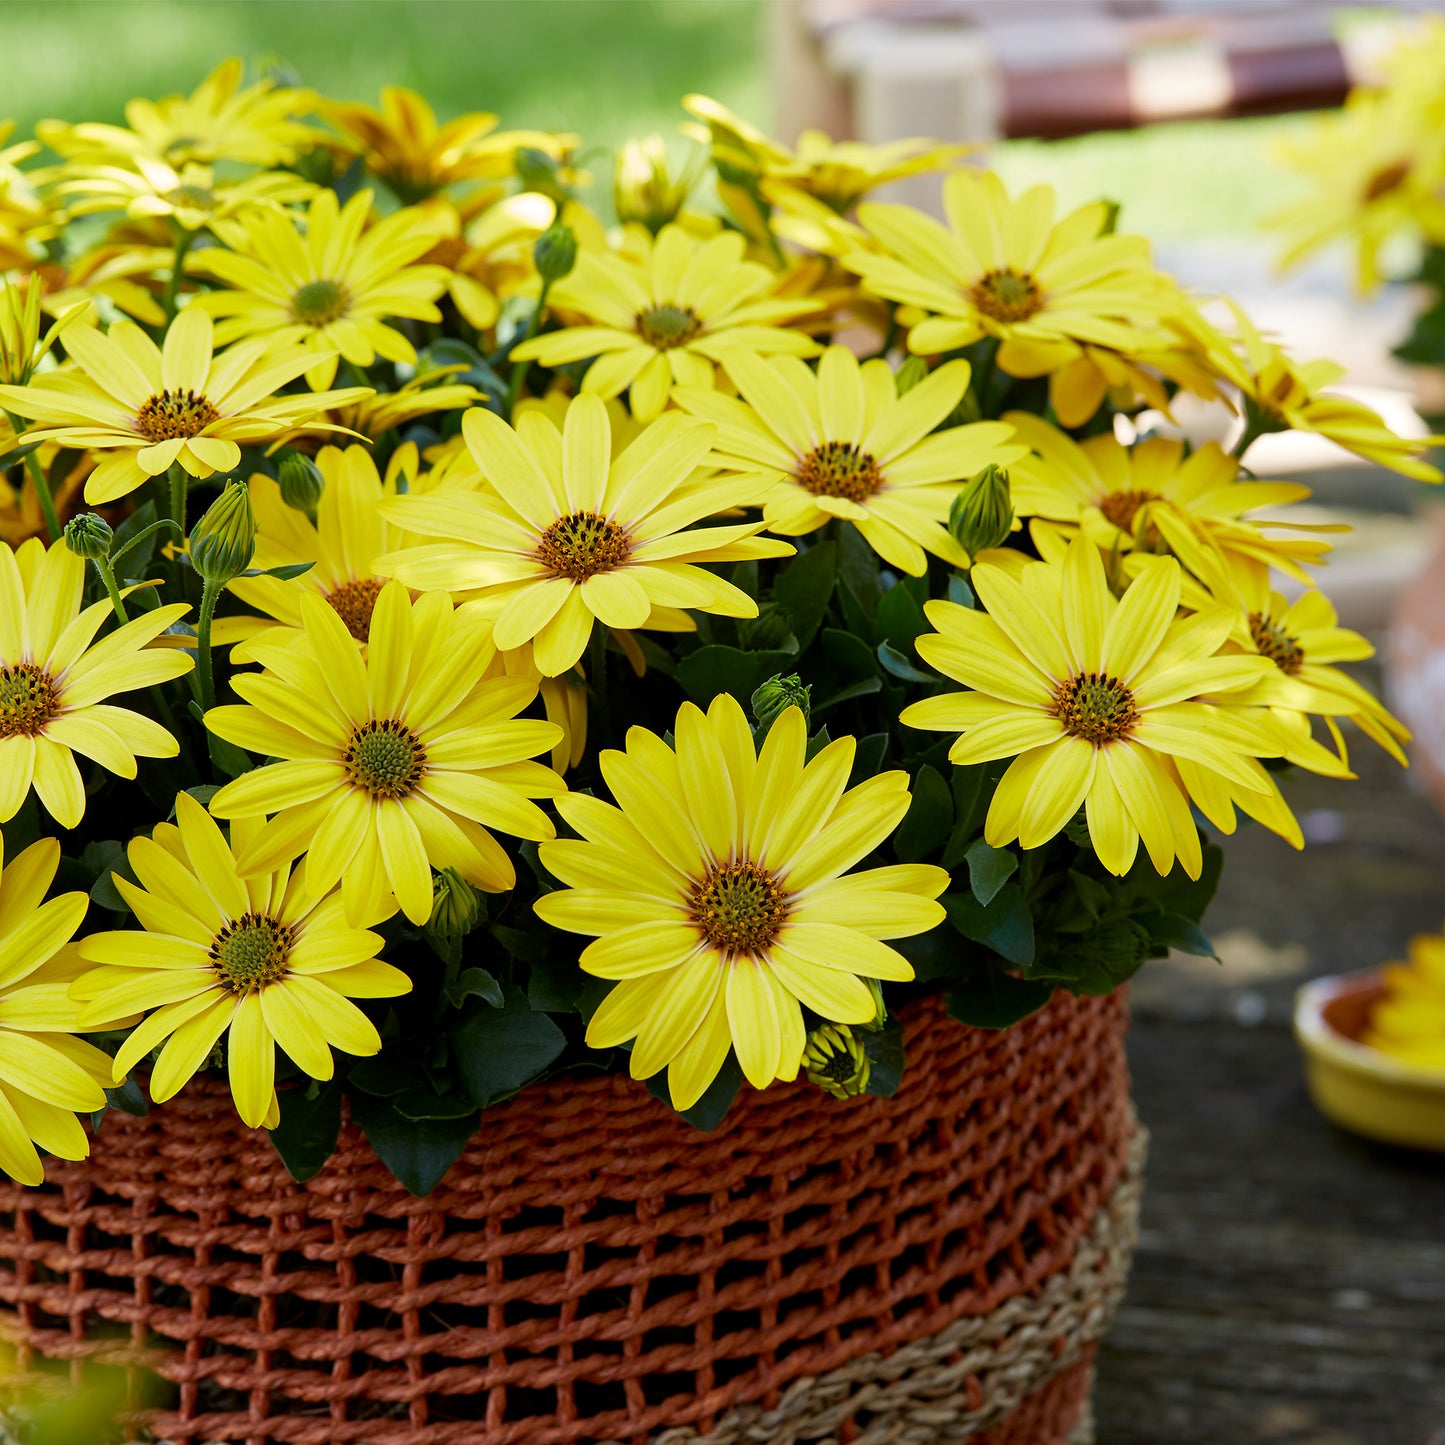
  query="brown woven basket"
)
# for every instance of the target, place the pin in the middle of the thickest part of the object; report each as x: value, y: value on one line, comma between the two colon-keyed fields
x: 937, y: 1266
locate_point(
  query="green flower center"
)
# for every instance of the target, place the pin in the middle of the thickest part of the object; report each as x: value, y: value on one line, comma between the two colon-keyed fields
x: 1385, y: 180
x: 385, y: 758
x: 1275, y: 643
x: 668, y: 326
x: 582, y: 545
x: 27, y: 699
x: 251, y: 951
x: 739, y: 907
x: 1008, y: 295
x: 197, y: 198
x: 353, y: 602
x: 320, y: 302
x: 835, y: 1061
x: 171, y: 414
x: 1095, y: 707
x: 839, y: 469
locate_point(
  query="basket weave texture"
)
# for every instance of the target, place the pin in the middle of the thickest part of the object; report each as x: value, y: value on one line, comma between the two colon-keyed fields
x: 592, y: 1268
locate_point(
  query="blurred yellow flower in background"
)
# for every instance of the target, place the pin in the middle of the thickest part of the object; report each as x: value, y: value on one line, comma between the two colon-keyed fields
x: 1409, y: 1021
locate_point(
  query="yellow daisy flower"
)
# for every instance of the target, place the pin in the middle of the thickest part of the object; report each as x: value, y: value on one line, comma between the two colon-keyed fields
x: 143, y: 407
x: 717, y: 891
x: 1092, y: 698
x: 565, y: 538
x: 1409, y: 1021
x: 847, y: 445
x: 1281, y: 394
x: 190, y: 195
x: 219, y: 120
x: 256, y: 958
x: 402, y: 144
x: 46, y: 1076
x: 1003, y: 268
x: 392, y: 763
x: 122, y: 272
x: 1153, y: 498
x: 52, y: 682
x: 664, y: 320
x: 329, y: 288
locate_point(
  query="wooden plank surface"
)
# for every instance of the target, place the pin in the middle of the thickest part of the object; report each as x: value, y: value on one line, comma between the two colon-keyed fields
x: 1290, y: 1280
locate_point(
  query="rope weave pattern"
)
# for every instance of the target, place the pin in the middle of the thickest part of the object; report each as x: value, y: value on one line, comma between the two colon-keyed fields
x: 592, y: 1268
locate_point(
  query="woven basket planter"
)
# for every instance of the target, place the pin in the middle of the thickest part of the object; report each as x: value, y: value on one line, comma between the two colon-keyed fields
x: 934, y: 1267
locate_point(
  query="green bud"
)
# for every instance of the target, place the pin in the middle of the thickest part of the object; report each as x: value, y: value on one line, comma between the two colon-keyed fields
x: 769, y: 629
x: 1111, y: 219
x: 880, y: 1009
x: 223, y: 542
x: 555, y: 252
x: 910, y: 374
x: 89, y: 536
x: 982, y: 513
x: 301, y: 482
x: 834, y: 1060
x: 455, y: 906
x: 777, y: 695
x: 537, y: 171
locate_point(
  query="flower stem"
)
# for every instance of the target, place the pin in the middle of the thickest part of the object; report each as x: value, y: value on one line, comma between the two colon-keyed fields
x: 521, y: 368
x: 37, y: 480
x: 184, y: 239
x: 597, y: 679
x: 179, y: 482
x: 107, y: 575
x: 1251, y: 434
x: 210, y: 593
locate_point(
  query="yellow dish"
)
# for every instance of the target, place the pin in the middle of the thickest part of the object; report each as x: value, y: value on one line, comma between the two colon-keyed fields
x: 1358, y: 1087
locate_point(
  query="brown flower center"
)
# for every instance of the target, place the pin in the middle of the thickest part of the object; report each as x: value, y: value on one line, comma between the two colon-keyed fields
x: 1385, y: 180
x: 1095, y: 707
x: 27, y: 700
x: 1275, y: 643
x: 739, y: 907
x: 384, y: 758
x: 171, y: 414
x: 839, y: 469
x: 582, y: 545
x: 251, y: 951
x: 319, y: 302
x: 668, y: 326
x: 1008, y: 295
x: 353, y: 602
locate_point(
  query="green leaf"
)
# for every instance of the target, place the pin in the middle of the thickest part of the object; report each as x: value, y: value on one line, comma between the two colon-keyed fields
x: 713, y: 669
x: 926, y: 825
x: 426, y: 1102
x: 858, y: 569
x: 884, y: 1048
x: 554, y: 986
x: 1092, y: 894
x: 306, y: 1136
x: 134, y: 542
x: 993, y: 999
x: 498, y: 1051
x: 897, y: 665
x: 226, y: 756
x: 869, y: 758
x: 16, y: 455
x: 804, y: 588
x: 417, y: 1151
x: 285, y: 573
x: 519, y: 943
x: 717, y: 1099
x: 381, y: 1076
x: 1005, y: 925
x: 960, y: 592
x: 864, y: 687
x: 900, y: 618
x: 103, y: 859
x: 473, y: 983
x: 989, y: 869
x: 1174, y: 930
x: 128, y: 1098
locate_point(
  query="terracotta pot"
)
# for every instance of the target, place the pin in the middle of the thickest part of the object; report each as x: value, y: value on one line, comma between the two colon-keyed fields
x: 936, y: 1266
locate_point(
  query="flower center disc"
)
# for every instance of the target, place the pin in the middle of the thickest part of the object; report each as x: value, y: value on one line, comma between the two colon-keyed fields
x: 1095, y: 707
x: 1385, y: 180
x: 320, y: 302
x: 1121, y: 508
x: 385, y: 758
x: 251, y: 951
x: 582, y: 545
x: 171, y: 414
x: 739, y: 907
x: 27, y: 700
x: 839, y: 469
x: 1275, y: 643
x: 353, y: 602
x: 668, y: 326
x: 1008, y: 295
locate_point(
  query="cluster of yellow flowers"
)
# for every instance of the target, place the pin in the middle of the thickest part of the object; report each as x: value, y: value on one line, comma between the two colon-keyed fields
x: 565, y: 452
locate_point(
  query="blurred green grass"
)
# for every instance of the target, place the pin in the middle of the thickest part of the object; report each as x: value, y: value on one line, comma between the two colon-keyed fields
x: 608, y: 69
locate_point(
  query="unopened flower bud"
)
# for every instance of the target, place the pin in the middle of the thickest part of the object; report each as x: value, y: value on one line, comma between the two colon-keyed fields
x: 301, y: 482
x: 769, y: 629
x: 910, y: 374
x: 777, y: 695
x: 834, y: 1060
x: 555, y: 252
x: 982, y: 514
x: 880, y: 1009
x: 89, y: 536
x: 537, y: 171
x: 223, y: 542
x: 644, y: 189
x: 455, y: 907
